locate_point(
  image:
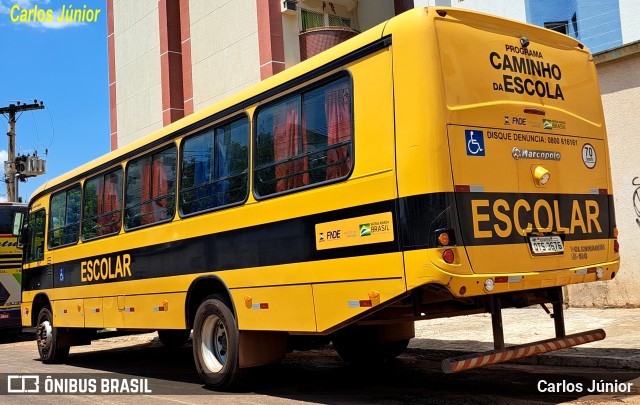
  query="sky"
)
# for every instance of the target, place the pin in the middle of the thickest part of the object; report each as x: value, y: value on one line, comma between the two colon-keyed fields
x: 66, y: 66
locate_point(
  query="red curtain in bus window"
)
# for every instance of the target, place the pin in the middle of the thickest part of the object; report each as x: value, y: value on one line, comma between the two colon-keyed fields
x: 287, y: 144
x: 338, y: 111
x: 146, y: 209
x: 101, y: 208
x: 159, y: 188
x: 110, y: 218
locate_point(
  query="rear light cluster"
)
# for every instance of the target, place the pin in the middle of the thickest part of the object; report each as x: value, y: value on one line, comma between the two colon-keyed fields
x: 616, y: 245
x: 445, y: 239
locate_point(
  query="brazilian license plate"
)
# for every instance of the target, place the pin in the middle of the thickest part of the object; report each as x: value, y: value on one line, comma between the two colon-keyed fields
x: 544, y: 245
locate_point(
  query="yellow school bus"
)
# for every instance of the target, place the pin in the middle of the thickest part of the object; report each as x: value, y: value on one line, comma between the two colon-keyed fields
x: 443, y: 163
x: 10, y: 269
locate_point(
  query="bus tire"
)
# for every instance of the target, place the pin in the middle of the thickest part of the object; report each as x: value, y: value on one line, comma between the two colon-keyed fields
x: 216, y: 344
x: 47, y: 339
x: 174, y: 337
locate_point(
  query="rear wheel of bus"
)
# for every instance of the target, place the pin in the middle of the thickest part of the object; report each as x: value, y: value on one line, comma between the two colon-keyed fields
x: 47, y: 338
x: 215, y: 344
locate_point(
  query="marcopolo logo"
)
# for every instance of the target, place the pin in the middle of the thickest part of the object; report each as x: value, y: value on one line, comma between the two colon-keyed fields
x: 518, y: 153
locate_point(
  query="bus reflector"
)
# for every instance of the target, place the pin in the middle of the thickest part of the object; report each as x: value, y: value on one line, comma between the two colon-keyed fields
x: 444, y: 239
x: 359, y: 303
x: 468, y: 362
x: 448, y: 256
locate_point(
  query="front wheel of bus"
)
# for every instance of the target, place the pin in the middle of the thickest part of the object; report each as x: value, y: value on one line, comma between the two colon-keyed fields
x: 47, y: 339
x: 215, y: 344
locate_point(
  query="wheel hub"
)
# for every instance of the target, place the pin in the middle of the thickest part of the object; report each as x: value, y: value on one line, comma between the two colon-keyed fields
x: 214, y: 343
x: 44, y: 335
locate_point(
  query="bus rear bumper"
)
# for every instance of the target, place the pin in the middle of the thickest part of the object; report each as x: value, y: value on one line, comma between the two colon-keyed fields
x: 461, y: 285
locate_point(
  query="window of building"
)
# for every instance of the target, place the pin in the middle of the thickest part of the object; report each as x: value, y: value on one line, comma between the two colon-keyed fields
x: 102, y: 207
x: 559, y: 26
x: 34, y: 249
x: 150, y: 189
x: 215, y: 168
x: 304, y: 139
x: 313, y: 19
x: 64, y: 218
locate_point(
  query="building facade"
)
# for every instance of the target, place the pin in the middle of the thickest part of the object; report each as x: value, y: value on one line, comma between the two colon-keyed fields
x: 169, y: 58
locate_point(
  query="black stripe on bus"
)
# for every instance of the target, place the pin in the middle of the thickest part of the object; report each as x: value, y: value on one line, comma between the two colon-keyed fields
x: 4, y: 257
x: 416, y: 220
x: 359, y: 53
x: 490, y: 218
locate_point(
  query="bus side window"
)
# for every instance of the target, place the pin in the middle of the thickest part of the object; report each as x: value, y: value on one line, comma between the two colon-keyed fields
x: 64, y: 220
x: 150, y: 189
x: 102, y: 205
x: 214, y: 167
x: 305, y: 139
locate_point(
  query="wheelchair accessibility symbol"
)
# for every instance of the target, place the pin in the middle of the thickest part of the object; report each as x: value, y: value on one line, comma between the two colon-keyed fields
x: 475, y: 142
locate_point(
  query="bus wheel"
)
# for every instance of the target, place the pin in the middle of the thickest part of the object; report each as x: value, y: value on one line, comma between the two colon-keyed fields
x: 174, y: 337
x: 47, y: 339
x: 215, y: 344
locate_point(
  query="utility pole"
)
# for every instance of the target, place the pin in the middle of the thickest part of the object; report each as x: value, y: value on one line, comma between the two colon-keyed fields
x: 10, y: 172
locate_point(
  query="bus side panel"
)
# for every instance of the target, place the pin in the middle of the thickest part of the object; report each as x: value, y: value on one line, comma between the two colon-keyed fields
x: 336, y: 302
x: 153, y: 311
x: 114, y: 315
x: 94, y: 313
x: 286, y: 308
x: 69, y: 313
